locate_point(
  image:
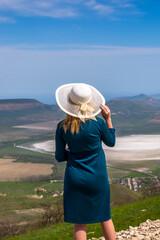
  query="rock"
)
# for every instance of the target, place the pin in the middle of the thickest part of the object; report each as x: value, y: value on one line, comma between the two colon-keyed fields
x: 148, y: 230
x: 140, y: 237
x: 130, y: 227
x: 131, y: 232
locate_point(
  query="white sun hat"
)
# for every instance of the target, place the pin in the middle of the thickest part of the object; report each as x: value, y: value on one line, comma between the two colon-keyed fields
x: 79, y: 100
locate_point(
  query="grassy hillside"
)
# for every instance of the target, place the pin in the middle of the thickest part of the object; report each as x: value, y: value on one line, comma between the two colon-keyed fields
x: 123, y: 217
x: 121, y: 195
x: 17, y: 196
x: 135, y: 116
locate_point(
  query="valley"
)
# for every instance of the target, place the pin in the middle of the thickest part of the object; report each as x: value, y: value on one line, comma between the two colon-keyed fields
x: 31, y: 178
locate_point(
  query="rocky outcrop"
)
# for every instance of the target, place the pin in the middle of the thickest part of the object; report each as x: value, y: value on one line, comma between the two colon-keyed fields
x: 148, y: 230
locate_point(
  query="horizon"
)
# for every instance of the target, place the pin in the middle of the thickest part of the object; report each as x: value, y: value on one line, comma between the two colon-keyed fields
x: 45, y: 101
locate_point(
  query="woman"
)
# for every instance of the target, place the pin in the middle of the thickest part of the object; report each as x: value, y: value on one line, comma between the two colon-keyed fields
x: 86, y: 196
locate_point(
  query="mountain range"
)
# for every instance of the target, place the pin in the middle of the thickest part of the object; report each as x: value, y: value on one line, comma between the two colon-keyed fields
x: 138, y: 114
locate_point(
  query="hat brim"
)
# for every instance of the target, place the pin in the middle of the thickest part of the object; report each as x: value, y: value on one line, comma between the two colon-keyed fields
x: 64, y: 102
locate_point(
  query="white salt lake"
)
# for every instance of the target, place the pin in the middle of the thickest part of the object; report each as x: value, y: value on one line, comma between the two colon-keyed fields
x: 137, y: 142
x: 132, y: 147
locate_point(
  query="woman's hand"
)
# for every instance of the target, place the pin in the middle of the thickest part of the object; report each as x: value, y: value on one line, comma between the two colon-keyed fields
x: 106, y: 112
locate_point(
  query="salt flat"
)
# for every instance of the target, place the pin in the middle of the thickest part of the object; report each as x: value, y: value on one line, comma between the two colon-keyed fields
x: 132, y: 147
x: 48, y: 146
x: 137, y: 142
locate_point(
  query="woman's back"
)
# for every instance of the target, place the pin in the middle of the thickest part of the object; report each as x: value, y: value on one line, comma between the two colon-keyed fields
x: 89, y: 137
x: 86, y: 185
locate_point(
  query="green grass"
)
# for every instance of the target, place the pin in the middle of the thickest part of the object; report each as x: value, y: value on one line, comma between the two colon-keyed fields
x: 114, y: 172
x: 122, y: 217
x: 24, y: 188
x: 156, y: 171
x: 19, y: 153
x: 16, y: 196
x: 119, y: 173
x: 136, y: 174
x: 119, y: 169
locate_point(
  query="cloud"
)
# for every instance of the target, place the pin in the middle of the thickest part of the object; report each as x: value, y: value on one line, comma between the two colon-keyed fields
x: 68, y: 8
x: 83, y: 49
x: 101, y: 9
x: 53, y: 9
x: 6, y: 20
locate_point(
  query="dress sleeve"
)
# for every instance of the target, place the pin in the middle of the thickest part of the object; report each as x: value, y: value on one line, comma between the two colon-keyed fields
x: 60, y: 145
x: 107, y: 134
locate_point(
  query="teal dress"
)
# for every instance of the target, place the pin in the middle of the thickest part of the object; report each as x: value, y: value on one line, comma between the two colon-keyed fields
x: 86, y: 196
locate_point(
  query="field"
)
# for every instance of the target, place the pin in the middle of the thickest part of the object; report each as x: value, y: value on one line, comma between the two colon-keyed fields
x: 133, y: 168
x: 47, y: 167
x: 13, y: 171
x: 22, y: 202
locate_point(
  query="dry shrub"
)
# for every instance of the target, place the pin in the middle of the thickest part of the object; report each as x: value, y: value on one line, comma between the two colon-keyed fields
x: 53, y: 214
x: 152, y: 190
x: 35, y: 178
x: 8, y: 229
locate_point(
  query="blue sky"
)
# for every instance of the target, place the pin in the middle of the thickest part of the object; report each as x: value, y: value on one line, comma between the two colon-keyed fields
x: 113, y: 45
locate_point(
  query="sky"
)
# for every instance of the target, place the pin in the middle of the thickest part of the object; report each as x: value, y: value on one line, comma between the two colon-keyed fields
x: 113, y: 45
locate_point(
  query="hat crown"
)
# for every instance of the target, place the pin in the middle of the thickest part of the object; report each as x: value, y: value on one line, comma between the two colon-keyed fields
x: 81, y: 93
x: 79, y: 100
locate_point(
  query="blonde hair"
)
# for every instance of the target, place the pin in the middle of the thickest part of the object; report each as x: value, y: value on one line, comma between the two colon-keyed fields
x: 72, y: 122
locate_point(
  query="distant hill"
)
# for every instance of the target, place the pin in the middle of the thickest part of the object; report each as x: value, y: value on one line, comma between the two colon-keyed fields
x: 130, y: 115
x: 141, y: 98
x: 25, y: 111
x: 157, y: 96
x: 136, y: 115
x: 19, y: 104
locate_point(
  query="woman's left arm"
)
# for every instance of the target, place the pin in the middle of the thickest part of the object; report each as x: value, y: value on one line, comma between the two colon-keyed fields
x: 60, y: 147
